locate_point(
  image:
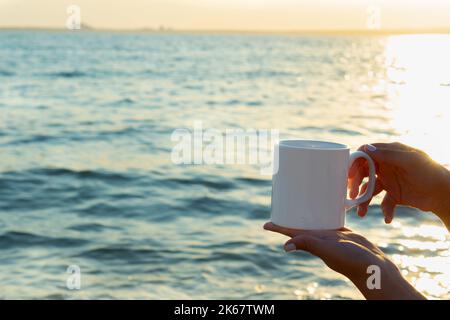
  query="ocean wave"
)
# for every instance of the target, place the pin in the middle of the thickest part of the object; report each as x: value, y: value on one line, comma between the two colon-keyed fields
x: 345, y: 131
x: 259, y: 212
x: 67, y: 74
x: 253, y: 74
x: 6, y: 73
x: 62, y: 181
x: 251, y: 257
x: 217, y: 185
x: 38, y: 138
x: 209, y: 205
x: 124, y: 101
x: 311, y: 129
x: 103, y: 209
x: 13, y: 239
x: 126, y: 254
x: 254, y: 182
x: 91, y: 227
x: 100, y: 175
x: 234, y: 207
x: 83, y: 136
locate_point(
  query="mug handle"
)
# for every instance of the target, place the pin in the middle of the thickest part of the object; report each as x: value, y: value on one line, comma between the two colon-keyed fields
x: 350, y: 203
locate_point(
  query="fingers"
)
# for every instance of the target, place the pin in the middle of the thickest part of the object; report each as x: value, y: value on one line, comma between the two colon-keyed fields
x: 393, y: 146
x: 270, y: 226
x: 363, y: 207
x: 304, y: 242
x: 356, y: 166
x: 286, y: 231
x: 388, y: 207
x: 358, y: 171
x: 389, y: 153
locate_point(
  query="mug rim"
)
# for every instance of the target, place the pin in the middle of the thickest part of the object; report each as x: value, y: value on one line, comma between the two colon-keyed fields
x: 306, y: 144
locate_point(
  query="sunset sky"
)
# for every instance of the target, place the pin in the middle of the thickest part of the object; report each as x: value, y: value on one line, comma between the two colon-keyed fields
x: 229, y: 14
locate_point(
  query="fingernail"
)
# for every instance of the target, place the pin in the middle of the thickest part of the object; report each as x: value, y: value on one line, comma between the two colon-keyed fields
x: 371, y: 148
x: 289, y: 247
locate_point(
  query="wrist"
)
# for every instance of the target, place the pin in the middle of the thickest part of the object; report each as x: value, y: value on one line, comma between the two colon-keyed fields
x: 442, y: 207
x: 392, y: 285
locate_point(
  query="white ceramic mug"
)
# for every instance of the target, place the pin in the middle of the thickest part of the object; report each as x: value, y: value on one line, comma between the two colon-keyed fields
x: 309, y: 189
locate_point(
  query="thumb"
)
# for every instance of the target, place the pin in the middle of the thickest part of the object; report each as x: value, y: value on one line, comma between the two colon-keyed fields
x: 303, y: 242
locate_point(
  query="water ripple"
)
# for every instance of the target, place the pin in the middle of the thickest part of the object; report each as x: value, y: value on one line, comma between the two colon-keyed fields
x: 188, y: 182
x: 14, y: 239
x: 67, y: 74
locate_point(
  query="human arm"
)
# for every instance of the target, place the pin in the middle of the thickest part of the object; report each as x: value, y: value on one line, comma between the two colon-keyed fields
x: 350, y: 254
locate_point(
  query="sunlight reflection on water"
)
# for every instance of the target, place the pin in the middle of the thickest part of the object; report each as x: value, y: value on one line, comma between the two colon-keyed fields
x: 418, y: 92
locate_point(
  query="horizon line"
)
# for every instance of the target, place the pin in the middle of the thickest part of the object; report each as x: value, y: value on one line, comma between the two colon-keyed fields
x: 88, y: 28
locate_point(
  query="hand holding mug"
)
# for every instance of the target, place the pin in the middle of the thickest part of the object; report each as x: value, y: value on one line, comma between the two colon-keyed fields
x: 409, y: 177
x: 350, y: 254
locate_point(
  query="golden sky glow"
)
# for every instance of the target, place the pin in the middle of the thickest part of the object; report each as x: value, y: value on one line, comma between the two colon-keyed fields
x: 229, y: 14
